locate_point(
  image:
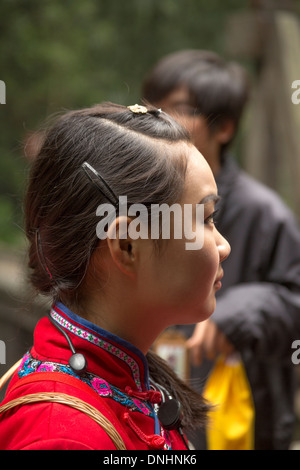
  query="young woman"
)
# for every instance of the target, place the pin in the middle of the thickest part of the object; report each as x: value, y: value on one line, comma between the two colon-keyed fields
x: 112, y: 296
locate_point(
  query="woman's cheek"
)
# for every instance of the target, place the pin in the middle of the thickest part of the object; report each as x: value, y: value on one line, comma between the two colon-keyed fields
x: 209, y: 261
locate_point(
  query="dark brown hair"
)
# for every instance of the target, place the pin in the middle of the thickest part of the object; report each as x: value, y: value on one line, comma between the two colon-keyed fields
x: 134, y: 154
x: 128, y: 150
x: 218, y: 89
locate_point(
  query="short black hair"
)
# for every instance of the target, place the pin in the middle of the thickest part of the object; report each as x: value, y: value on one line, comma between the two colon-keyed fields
x: 218, y: 89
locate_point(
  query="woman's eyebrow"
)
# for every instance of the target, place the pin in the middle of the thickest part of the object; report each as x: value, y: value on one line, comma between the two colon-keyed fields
x: 211, y: 197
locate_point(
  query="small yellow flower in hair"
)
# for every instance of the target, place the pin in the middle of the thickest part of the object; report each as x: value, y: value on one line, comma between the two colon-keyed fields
x: 136, y: 108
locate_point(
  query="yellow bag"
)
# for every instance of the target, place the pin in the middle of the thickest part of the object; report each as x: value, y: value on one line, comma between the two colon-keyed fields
x: 231, y: 421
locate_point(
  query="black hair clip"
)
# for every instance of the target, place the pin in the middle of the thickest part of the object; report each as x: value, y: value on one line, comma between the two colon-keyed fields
x: 155, y: 112
x: 100, y: 183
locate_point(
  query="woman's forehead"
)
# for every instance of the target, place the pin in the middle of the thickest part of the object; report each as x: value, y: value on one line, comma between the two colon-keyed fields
x: 200, y: 182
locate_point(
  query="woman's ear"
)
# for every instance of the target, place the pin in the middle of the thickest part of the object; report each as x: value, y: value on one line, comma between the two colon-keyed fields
x: 123, y: 249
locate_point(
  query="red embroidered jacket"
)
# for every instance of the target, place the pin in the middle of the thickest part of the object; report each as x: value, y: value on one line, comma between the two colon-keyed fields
x: 117, y: 377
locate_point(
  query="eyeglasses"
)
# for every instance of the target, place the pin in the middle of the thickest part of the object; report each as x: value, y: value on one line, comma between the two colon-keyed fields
x: 183, y: 108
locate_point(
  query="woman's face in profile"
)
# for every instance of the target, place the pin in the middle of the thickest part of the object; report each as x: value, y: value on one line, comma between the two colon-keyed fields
x: 179, y: 283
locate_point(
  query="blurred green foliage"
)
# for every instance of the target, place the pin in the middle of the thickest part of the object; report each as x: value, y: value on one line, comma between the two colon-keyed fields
x: 58, y: 55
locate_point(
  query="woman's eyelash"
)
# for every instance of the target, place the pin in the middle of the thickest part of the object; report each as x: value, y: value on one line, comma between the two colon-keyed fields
x: 211, y: 217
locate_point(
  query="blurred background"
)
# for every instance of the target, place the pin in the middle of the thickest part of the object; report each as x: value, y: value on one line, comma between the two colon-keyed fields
x: 60, y: 55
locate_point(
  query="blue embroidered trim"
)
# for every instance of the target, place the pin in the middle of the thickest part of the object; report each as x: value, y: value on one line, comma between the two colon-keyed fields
x: 102, y: 343
x: 30, y: 365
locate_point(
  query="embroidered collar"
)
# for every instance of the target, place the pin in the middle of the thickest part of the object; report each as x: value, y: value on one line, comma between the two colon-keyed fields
x: 31, y: 365
x: 105, y: 340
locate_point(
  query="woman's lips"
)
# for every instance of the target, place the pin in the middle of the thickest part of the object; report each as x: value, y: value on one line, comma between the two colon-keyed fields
x: 218, y: 283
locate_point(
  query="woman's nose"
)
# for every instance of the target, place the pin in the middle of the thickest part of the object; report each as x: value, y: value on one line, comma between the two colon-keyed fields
x: 223, y: 247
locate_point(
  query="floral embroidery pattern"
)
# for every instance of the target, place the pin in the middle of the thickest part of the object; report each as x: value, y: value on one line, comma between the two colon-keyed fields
x: 103, y: 344
x: 30, y: 365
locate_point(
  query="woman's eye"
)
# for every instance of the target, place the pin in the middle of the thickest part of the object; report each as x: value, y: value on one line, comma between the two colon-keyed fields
x: 211, y: 219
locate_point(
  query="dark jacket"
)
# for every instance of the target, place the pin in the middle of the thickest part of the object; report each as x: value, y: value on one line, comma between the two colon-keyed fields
x: 258, y: 307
